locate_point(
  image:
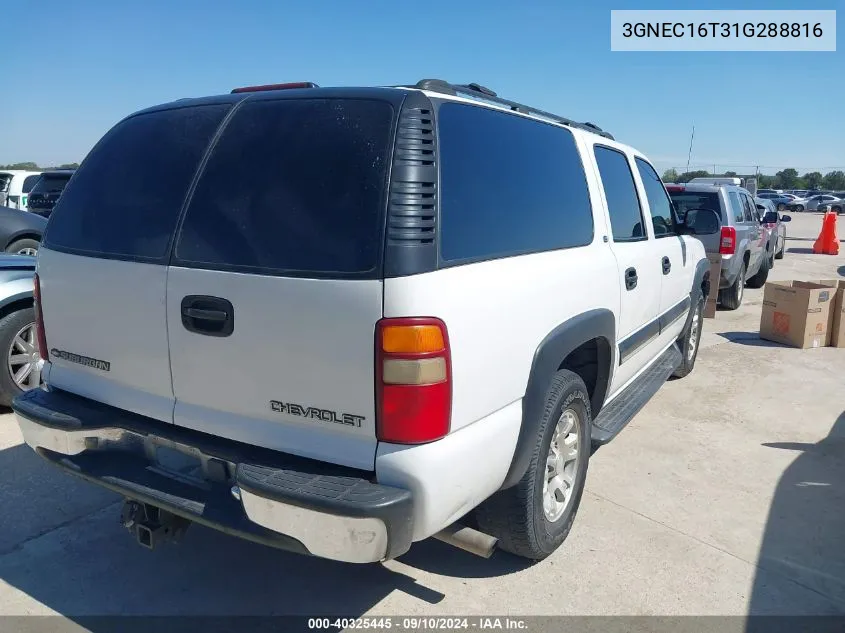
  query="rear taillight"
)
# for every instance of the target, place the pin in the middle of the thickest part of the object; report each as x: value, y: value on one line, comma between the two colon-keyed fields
x: 413, y: 380
x: 770, y: 225
x: 727, y: 241
x: 39, y: 319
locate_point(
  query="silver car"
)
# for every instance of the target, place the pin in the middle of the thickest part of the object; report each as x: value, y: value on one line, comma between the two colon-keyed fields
x: 836, y: 205
x: 813, y: 202
x: 743, y: 242
x: 20, y: 363
x: 773, y: 222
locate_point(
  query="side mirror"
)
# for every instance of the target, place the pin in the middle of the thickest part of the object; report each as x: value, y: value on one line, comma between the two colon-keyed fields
x: 786, y: 218
x: 702, y: 222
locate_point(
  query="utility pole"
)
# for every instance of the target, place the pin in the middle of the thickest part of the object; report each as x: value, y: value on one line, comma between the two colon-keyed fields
x: 689, y: 155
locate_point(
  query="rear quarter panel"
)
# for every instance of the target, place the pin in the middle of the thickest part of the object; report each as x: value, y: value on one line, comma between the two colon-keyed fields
x: 498, y: 312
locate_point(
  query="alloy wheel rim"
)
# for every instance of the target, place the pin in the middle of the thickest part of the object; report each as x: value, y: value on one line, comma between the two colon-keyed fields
x: 23, y: 360
x: 561, y: 466
x: 28, y: 251
x: 693, y: 338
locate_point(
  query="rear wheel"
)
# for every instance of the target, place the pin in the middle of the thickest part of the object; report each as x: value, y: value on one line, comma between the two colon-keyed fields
x: 532, y: 518
x: 759, y: 279
x: 21, y: 370
x: 779, y: 253
x: 731, y: 297
x: 799, y: 208
x: 26, y: 246
x: 781, y: 206
x: 837, y: 209
x: 688, y: 343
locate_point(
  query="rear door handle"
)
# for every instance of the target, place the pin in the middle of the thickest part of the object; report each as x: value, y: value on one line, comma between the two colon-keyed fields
x: 211, y: 316
x: 204, y: 314
x: 667, y: 265
x: 630, y: 278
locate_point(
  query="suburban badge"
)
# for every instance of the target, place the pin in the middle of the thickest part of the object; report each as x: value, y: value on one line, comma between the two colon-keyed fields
x: 102, y: 365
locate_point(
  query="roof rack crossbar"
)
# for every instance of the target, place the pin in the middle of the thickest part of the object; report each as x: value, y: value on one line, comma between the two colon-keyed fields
x: 485, y: 94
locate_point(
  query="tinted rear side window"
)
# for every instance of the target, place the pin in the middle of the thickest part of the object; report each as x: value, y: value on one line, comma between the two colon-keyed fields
x: 294, y: 186
x: 736, y: 205
x: 623, y: 204
x: 29, y: 183
x: 124, y: 201
x: 508, y: 185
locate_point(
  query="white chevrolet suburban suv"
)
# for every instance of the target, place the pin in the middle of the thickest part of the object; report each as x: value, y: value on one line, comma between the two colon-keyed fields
x: 341, y: 320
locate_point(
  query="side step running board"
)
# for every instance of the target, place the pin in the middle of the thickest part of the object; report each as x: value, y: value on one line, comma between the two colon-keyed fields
x: 627, y: 404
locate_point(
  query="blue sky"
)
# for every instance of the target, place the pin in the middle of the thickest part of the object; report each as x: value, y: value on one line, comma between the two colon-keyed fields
x: 78, y: 67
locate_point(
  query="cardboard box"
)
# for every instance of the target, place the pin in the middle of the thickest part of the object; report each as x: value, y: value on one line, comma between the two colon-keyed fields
x: 796, y: 313
x: 715, y: 274
x: 836, y: 320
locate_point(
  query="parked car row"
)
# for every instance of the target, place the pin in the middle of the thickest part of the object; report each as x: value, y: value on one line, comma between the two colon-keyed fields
x: 15, y: 185
x: 800, y: 200
x: 780, y: 200
x: 29, y: 198
x: 19, y: 189
x: 817, y: 202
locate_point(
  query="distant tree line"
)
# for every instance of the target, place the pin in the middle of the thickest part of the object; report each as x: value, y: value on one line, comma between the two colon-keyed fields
x: 35, y: 167
x: 785, y: 179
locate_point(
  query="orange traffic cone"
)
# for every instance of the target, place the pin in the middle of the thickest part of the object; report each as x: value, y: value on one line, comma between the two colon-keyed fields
x: 828, y: 243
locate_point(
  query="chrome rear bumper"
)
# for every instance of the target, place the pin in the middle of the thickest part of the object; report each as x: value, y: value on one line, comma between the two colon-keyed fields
x: 315, y: 508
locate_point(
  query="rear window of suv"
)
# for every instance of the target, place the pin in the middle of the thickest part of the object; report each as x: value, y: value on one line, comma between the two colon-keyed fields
x: 686, y: 200
x: 53, y: 183
x: 124, y: 200
x: 293, y: 186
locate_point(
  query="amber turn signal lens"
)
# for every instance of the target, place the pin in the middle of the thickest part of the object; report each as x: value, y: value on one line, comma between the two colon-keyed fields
x: 412, y: 339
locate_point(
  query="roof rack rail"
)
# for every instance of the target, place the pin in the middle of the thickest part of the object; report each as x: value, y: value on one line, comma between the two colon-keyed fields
x: 485, y: 94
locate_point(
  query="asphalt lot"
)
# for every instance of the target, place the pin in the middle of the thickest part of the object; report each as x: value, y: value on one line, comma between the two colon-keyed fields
x: 725, y: 495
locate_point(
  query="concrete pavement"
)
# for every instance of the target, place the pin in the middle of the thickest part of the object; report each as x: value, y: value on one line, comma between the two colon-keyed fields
x: 725, y: 495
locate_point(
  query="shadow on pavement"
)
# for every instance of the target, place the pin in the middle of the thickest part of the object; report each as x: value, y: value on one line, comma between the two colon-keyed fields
x: 751, y: 339
x: 800, y: 251
x: 62, y: 546
x: 804, y: 539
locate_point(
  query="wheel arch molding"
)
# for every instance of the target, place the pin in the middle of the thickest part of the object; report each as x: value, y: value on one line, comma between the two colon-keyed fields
x: 594, y: 327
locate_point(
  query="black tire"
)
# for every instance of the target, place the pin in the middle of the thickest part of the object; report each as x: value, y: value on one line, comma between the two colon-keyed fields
x: 837, y: 208
x: 800, y: 208
x: 10, y: 325
x: 779, y: 254
x: 781, y: 206
x: 26, y: 243
x: 515, y: 516
x: 731, y: 297
x: 691, y: 333
x: 760, y: 277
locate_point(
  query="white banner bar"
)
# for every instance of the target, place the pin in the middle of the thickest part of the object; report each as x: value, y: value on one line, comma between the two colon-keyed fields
x: 723, y: 30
